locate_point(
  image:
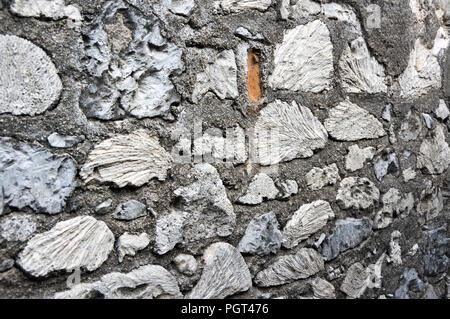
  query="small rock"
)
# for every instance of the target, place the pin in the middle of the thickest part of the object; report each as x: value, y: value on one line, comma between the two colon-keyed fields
x: 286, y: 188
x: 130, y: 210
x: 355, y: 282
x: 317, y: 178
x: 356, y: 157
x: 410, y: 282
x: 395, y: 251
x: 409, y: 174
x: 261, y: 187
x: 244, y: 33
x: 357, y: 193
x: 322, y: 289
x: 169, y: 232
x: 411, y: 128
x: 434, y: 155
x: 413, y: 250
x: 430, y: 293
x: 64, y: 141
x: 442, y: 111
x: 6, y: 264
x: 233, y: 6
x: 386, y: 163
x: 387, y: 113
x: 436, y: 258
x: 394, y: 205
x: 428, y: 121
x: 320, y: 240
x: 182, y: 7
x: 186, y: 264
x: 103, y: 207
x: 128, y: 244
x: 17, y: 228
x: 431, y: 202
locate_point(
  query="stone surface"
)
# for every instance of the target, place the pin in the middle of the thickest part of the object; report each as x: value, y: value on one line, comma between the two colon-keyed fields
x: 219, y: 77
x: 145, y: 282
x: 355, y: 282
x: 442, y: 111
x: 431, y: 202
x: 243, y: 5
x: 27, y: 170
x: 245, y: 33
x: 349, y: 122
x: 22, y: 60
x: 169, y: 231
x: 356, y: 157
x: 357, y: 193
x: 186, y: 264
x: 395, y: 205
x: 17, y: 228
x: 261, y: 188
x: 344, y: 14
x: 103, y: 207
x: 78, y: 242
x: 347, y: 234
x: 286, y: 188
x: 306, y: 221
x: 262, y: 236
x: 410, y: 282
x: 322, y: 289
x: 285, y: 269
x: 224, y: 274
x: 130, y: 210
x: 286, y: 131
x: 411, y: 128
x: 434, y: 156
x: 129, y: 244
x: 6, y: 265
x: 182, y: 7
x: 436, y: 259
x: 299, y: 9
x: 304, y: 60
x: 318, y: 178
x: 64, y: 141
x: 395, y: 251
x: 132, y: 159
x: 386, y: 163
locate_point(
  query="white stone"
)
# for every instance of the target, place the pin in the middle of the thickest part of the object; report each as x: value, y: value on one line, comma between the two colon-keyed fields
x: 261, y: 188
x: 186, y: 264
x: 349, y: 122
x: 360, y: 72
x: 356, y: 157
x: 29, y: 81
x: 394, y: 205
x: 301, y: 9
x: 132, y: 159
x: 128, y: 244
x: 434, y: 155
x: 225, y: 273
x: 64, y: 141
x: 318, y: 178
x: 344, y: 14
x: 78, y: 242
x: 355, y: 282
x: 17, y: 228
x: 411, y: 127
x: 286, y: 131
x: 168, y: 231
x: 182, y: 7
x: 409, y: 174
x: 304, y: 60
x: 395, y: 251
x: 244, y: 5
x: 442, y: 111
x: 219, y: 77
x: 146, y: 282
x: 322, y: 289
x: 357, y: 193
x: 307, y: 220
x: 431, y: 202
x: 287, y: 188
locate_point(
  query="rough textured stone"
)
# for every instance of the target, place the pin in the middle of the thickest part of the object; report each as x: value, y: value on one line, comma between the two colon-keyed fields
x: 243, y: 5
x: 386, y: 163
x: 431, y: 202
x: 186, y: 264
x: 128, y: 244
x: 64, y: 141
x: 22, y: 60
x: 78, y: 242
x: 436, y: 259
x: 344, y: 14
x: 146, y: 282
x: 307, y: 220
x: 182, y: 7
x: 286, y: 188
x: 347, y: 234
x: 6, y: 264
x: 246, y: 34
x: 434, y: 156
x: 305, y: 263
x: 262, y: 236
x: 322, y: 289
x: 349, y: 122
x: 299, y: 9
x: 410, y: 283
x: 27, y: 170
x: 357, y: 193
x: 130, y: 210
x: 168, y: 231
x: 395, y: 251
x: 304, y: 60
x: 356, y: 157
x: 17, y: 228
x: 103, y: 207
x: 318, y: 178
x: 355, y: 282
x: 286, y: 131
x: 132, y: 159
x: 261, y: 188
x: 224, y: 274
x: 394, y: 205
x: 442, y: 111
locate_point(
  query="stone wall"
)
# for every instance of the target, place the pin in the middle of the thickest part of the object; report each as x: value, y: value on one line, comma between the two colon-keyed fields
x: 224, y: 148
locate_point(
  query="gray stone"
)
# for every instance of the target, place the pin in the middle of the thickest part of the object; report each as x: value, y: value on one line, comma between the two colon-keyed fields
x: 286, y: 188
x: 262, y: 236
x: 128, y: 244
x: 232, y: 6
x: 349, y: 122
x: 307, y: 220
x: 322, y: 289
x: 387, y: 113
x: 78, y: 242
x: 6, y: 264
x: 357, y: 193
x: 246, y: 34
x: 104, y: 207
x: 298, y: 9
x: 409, y: 174
x: 386, y: 163
x: 145, y: 282
x: 169, y: 231
x: 395, y: 251
x: 22, y: 60
x: 27, y: 170
x: 225, y: 273
x: 355, y: 282
x: 182, y: 7
x: 434, y: 155
x: 17, y: 228
x: 431, y: 202
x: 394, y: 205
x: 305, y: 263
x: 261, y: 188
x: 64, y: 141
x: 304, y: 60
x: 442, y: 111
x: 410, y: 283
x: 345, y: 15
x: 318, y: 178
x: 437, y: 254
x: 347, y: 234
x: 186, y: 264
x: 430, y: 293
x: 428, y: 121
x: 130, y: 210
x: 356, y: 157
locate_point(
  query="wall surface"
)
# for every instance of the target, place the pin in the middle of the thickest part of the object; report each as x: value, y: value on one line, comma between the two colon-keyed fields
x: 224, y: 148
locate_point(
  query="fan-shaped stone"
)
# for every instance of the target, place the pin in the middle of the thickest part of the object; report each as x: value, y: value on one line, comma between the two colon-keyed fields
x: 78, y: 242
x: 29, y: 81
x: 132, y: 159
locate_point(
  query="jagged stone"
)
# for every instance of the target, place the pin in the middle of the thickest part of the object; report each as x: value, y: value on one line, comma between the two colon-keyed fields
x: 434, y: 155
x: 436, y: 259
x: 186, y: 264
x: 344, y: 14
x: 322, y: 289
x: 318, y: 178
x: 356, y: 157
x: 285, y: 131
x: 17, y: 228
x: 360, y: 72
x: 431, y: 202
x: 428, y: 121
x: 442, y: 111
x: 394, y: 205
x: 246, y: 34
x: 357, y: 193
x: 355, y: 282
x: 386, y: 163
x: 132, y: 159
x: 395, y: 251
x: 349, y: 122
x: 305, y: 263
x: 146, y: 282
x: 182, y: 7
x: 347, y: 234
x: 261, y: 188
x: 169, y: 231
x: 26, y: 171
x: 219, y: 77
x: 22, y: 60
x: 78, y: 242
x: 304, y: 60
x: 6, y: 264
x: 409, y: 174
x: 262, y: 236
x: 299, y: 9
x: 231, y: 6
x: 410, y: 283
x: 286, y: 188
x: 387, y: 113
x: 103, y: 207
x: 130, y: 210
x: 411, y: 127
x: 64, y: 141
x: 307, y: 220
x: 225, y: 273
x: 128, y: 244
